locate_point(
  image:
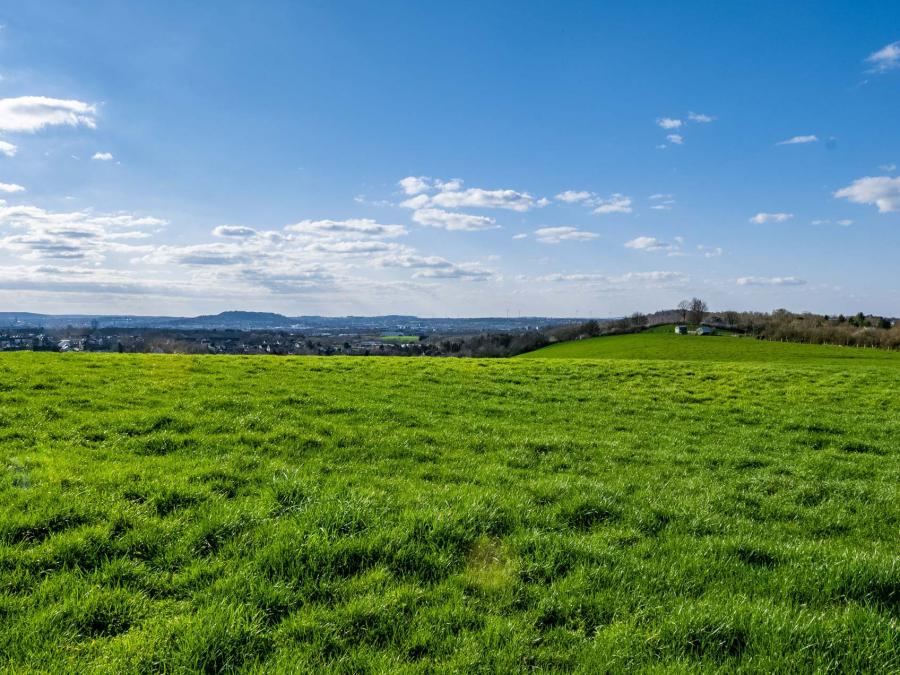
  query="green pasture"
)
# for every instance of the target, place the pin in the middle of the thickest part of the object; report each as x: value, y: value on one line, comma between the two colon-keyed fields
x: 640, y: 509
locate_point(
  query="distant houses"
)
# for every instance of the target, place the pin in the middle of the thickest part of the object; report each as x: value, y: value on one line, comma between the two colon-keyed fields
x: 701, y: 330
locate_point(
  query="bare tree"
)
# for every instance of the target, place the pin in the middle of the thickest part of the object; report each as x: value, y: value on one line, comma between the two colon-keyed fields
x: 638, y: 320
x: 731, y: 318
x: 697, y: 310
x: 684, y: 307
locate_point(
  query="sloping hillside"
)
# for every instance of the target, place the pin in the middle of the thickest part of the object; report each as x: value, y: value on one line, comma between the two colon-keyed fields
x: 664, y: 344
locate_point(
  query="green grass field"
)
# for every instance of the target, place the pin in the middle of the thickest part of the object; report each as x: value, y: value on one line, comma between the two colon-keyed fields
x: 664, y: 344
x: 180, y: 514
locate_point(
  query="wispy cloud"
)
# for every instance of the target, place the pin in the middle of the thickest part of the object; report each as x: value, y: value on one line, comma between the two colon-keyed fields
x: 662, y: 202
x: 103, y: 156
x: 675, y: 139
x: 354, y: 228
x: 234, y: 231
x: 615, y: 203
x: 710, y: 251
x: 630, y: 280
x: 450, y: 220
x: 32, y: 113
x: 8, y: 149
x: 885, y: 59
x: 669, y: 123
x: 574, y: 196
x: 11, y: 187
x: 761, y: 218
x: 799, y: 140
x: 770, y: 281
x: 700, y: 118
x: 845, y: 222
x: 655, y: 245
x: 880, y: 191
x: 555, y: 235
x: 427, y: 192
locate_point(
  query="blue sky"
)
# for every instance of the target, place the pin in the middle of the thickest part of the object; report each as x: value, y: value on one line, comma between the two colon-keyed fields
x: 449, y: 159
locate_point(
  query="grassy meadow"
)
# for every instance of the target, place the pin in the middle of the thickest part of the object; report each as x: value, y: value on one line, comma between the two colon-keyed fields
x: 184, y: 513
x: 664, y: 344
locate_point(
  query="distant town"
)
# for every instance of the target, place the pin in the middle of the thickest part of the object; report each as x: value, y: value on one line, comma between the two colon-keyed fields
x: 395, y: 335
x: 257, y: 333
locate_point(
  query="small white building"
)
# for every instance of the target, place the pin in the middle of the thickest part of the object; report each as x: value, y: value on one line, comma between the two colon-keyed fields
x: 705, y: 330
x: 681, y: 330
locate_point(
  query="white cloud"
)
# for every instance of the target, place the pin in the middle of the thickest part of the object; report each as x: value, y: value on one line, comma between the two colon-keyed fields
x: 102, y: 156
x: 652, y: 244
x: 78, y: 235
x: 799, y: 140
x: 32, y: 113
x: 662, y: 202
x: 676, y: 139
x: 881, y: 191
x: 885, y: 59
x: 8, y: 149
x: 655, y: 279
x: 449, y: 194
x: 555, y: 235
x: 645, y: 244
x: 761, y: 218
x: 616, y: 203
x: 353, y: 247
x: 700, y: 117
x: 464, y: 271
x: 11, y: 187
x: 234, y: 231
x: 710, y: 251
x: 846, y: 222
x: 574, y: 196
x: 669, y: 123
x: 435, y: 267
x: 360, y: 227
x: 521, y: 235
x: 770, y: 281
x: 478, y: 198
x: 413, y: 185
x: 453, y: 221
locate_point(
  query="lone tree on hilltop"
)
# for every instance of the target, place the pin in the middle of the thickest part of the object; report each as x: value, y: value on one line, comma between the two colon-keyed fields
x: 684, y: 307
x: 697, y: 310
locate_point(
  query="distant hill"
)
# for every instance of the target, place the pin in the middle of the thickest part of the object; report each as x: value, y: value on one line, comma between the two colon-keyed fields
x: 246, y: 320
